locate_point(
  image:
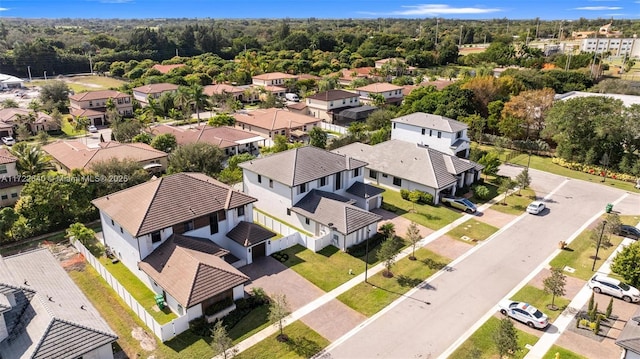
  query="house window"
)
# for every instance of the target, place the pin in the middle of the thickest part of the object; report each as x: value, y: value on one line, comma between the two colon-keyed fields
x: 121, y: 230
x: 430, y: 132
x: 439, y: 134
x: 302, y: 188
x: 424, y: 131
x: 459, y: 134
x: 4, y: 196
x: 213, y: 223
x: 373, y: 174
x: 259, y: 178
x: 288, y: 211
x: 14, y: 195
x: 112, y: 223
x: 397, y: 181
x: 307, y: 221
x: 155, y: 237
x: 338, y: 180
x: 3, y: 169
x: 270, y: 183
x: 188, y: 226
x: 344, y: 101
x: 356, y: 172
x: 240, y: 211
x: 384, y: 175
x: 394, y: 125
x: 322, y: 182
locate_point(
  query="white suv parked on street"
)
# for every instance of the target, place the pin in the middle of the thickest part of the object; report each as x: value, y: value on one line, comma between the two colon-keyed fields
x: 607, y: 285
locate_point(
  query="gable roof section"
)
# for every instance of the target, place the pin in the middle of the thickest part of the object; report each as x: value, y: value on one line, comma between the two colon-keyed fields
x: 169, y: 200
x: 427, y: 120
x: 301, y: 165
x: 52, y: 318
x: 191, y: 269
x: 10, y: 115
x: 333, y: 95
x: 329, y: 208
x: 156, y: 88
x: 223, y: 137
x: 274, y: 119
x: 378, y: 87
x: 406, y: 160
x: 76, y: 112
x: 97, y: 95
x: 274, y: 76
x: 220, y: 89
x: 75, y: 154
x: 629, y: 337
x: 6, y: 157
x: 248, y: 234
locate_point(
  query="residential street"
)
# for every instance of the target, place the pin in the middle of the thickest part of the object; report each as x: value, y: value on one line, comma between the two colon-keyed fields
x: 436, y: 316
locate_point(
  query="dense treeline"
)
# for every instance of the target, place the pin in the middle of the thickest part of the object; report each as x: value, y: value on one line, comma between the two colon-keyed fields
x: 66, y: 46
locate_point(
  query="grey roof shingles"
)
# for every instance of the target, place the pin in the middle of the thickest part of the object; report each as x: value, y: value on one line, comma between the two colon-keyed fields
x: 629, y: 337
x: 248, y: 234
x: 169, y: 200
x: 329, y: 208
x: 427, y: 120
x: 53, y: 319
x: 363, y: 190
x: 301, y: 165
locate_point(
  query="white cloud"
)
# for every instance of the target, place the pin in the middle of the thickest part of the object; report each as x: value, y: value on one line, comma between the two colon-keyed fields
x: 598, y: 8
x: 3, y: 9
x: 115, y: 1
x: 440, y: 9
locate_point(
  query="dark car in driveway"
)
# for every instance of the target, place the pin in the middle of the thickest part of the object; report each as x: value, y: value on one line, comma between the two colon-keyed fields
x: 628, y: 231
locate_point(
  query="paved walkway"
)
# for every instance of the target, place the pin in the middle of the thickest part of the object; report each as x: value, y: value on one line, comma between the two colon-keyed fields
x: 328, y: 297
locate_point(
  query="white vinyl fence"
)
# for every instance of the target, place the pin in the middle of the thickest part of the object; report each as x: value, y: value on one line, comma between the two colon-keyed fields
x: 164, y: 332
x: 333, y: 128
x: 291, y: 236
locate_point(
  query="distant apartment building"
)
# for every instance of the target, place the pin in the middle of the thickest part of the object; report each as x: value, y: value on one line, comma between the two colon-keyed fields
x: 629, y: 47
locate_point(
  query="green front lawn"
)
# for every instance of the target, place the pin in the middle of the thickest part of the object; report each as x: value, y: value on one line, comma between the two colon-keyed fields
x: 327, y: 269
x: 303, y: 343
x: 434, y: 217
x: 138, y: 290
x: 579, y: 255
x: 254, y: 322
x: 370, y: 298
x: 481, y: 345
x: 516, y: 203
x: 473, y: 229
x: 539, y: 299
x: 564, y: 353
x: 68, y: 128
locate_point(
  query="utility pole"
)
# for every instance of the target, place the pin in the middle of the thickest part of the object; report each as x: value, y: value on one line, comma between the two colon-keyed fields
x: 437, y: 22
x: 537, y: 27
x: 176, y: 52
x: 526, y: 41
x: 45, y: 76
x: 90, y: 64
x: 29, y: 70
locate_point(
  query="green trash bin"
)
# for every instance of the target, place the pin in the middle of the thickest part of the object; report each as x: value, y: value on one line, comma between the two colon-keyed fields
x: 608, y: 208
x: 160, y: 301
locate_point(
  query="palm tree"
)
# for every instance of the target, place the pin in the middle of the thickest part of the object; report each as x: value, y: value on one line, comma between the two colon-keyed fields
x: 166, y: 103
x: 198, y: 98
x: 80, y: 124
x: 183, y: 100
x: 31, y: 159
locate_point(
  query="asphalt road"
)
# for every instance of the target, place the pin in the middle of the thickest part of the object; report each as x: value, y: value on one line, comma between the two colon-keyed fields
x: 426, y: 324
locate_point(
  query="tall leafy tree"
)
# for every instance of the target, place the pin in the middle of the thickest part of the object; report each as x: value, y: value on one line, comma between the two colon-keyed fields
x: 506, y: 338
x: 116, y: 174
x: 196, y: 157
x: 318, y: 137
x: 55, y: 92
x: 530, y: 107
x: 626, y: 262
x: 222, y: 119
x: 165, y: 142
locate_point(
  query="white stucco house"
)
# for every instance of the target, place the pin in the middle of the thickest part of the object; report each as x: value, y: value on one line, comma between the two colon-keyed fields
x: 43, y: 314
x: 392, y: 94
x: 10, y: 183
x: 438, y: 132
x: 184, y: 235
x: 320, y: 192
x: 400, y: 165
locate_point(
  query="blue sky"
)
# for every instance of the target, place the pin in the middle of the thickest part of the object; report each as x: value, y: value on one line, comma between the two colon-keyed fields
x: 469, y: 9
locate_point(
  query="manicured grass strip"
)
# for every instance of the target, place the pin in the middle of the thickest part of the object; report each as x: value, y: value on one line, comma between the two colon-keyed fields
x: 473, y: 229
x: 138, y: 290
x: 481, y: 343
x: 515, y: 203
x: 539, y: 299
x: 564, y: 353
x: 327, y: 269
x: 303, y: 343
x: 123, y: 320
x: 579, y: 255
x: 368, y: 299
x: 434, y: 217
x: 254, y: 322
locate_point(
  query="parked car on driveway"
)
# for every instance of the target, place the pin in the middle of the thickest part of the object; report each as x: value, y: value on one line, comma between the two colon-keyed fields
x: 92, y: 129
x: 607, y: 285
x: 628, y: 231
x: 9, y: 141
x: 535, y: 207
x: 524, y: 312
x: 462, y: 204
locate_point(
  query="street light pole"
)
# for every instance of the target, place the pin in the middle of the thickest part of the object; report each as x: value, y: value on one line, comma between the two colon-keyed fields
x: 604, y: 224
x: 366, y: 260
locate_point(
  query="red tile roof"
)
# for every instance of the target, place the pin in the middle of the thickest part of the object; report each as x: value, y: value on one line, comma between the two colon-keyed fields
x: 98, y: 95
x: 222, y: 137
x: 220, y: 89
x: 274, y: 76
x: 166, y: 68
x: 6, y: 157
x: 156, y: 88
x: 379, y: 87
x: 273, y: 119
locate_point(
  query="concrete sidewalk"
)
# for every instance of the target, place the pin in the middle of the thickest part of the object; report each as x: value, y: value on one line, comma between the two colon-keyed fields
x: 324, y: 299
x: 564, y: 320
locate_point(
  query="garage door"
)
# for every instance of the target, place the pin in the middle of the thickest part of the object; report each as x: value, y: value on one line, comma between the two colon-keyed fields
x: 259, y: 251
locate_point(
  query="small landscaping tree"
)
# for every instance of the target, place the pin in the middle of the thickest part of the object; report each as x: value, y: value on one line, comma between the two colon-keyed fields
x: 387, y: 254
x: 554, y: 284
x: 388, y: 229
x: 596, y: 328
x: 506, y: 338
x: 414, y: 197
x: 506, y: 185
x: 278, y: 311
x: 523, y: 179
x: 591, y: 302
x: 599, y: 234
x: 220, y: 341
x: 413, y: 236
x: 609, y: 308
x: 613, y: 223
x: 594, y: 313
x: 80, y: 233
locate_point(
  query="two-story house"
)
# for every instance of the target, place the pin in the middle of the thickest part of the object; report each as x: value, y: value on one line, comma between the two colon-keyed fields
x: 184, y: 237
x: 326, y: 105
x: 97, y: 101
x: 392, y: 94
x: 10, y: 183
x: 273, y: 121
x: 273, y: 79
x: 320, y: 192
x: 154, y: 91
x: 35, y: 121
x: 437, y: 132
x: 70, y: 155
x: 239, y: 93
x: 43, y: 314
